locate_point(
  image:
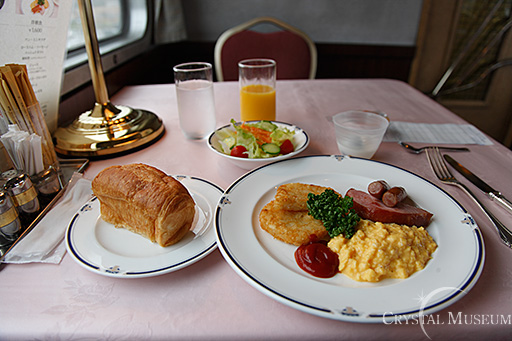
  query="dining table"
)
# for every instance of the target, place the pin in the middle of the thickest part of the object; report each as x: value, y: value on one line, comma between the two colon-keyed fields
x: 210, y: 300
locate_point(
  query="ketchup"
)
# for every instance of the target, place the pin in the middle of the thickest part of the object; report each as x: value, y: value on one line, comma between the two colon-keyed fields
x: 317, y: 259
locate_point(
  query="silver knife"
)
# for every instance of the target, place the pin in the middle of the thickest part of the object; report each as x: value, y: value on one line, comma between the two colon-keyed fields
x: 491, y: 192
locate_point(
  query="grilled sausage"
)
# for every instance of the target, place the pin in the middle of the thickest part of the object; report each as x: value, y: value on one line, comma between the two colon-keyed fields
x: 368, y: 207
x: 393, y: 196
x: 378, y: 188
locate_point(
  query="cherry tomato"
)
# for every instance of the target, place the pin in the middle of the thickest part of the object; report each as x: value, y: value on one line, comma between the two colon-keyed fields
x: 287, y: 147
x: 239, y: 151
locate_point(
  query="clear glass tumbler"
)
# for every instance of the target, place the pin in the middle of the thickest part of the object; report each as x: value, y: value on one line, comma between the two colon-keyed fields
x: 257, y: 78
x: 359, y: 133
x: 196, y: 103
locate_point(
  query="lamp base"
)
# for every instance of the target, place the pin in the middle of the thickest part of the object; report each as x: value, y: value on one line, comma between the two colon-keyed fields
x: 108, y: 130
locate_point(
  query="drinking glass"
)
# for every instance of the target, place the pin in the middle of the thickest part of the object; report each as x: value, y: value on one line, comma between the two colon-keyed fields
x: 359, y: 133
x: 196, y: 104
x: 257, y: 78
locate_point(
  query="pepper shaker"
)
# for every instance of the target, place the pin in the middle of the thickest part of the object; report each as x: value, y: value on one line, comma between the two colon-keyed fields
x: 10, y: 224
x: 23, y: 193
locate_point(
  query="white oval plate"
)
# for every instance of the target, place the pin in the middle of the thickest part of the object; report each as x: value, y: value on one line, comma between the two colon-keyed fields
x: 269, y: 264
x: 100, y: 247
x: 300, y: 142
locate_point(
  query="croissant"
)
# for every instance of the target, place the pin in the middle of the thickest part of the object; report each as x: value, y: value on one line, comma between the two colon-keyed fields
x: 145, y: 200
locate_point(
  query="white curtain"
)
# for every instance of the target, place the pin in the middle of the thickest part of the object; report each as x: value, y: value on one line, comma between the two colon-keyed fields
x: 169, y: 21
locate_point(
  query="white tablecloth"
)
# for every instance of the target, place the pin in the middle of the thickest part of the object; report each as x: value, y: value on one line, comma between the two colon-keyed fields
x: 208, y: 300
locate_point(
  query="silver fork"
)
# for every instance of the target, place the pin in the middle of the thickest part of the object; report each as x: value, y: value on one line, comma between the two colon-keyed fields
x: 420, y: 150
x: 445, y: 176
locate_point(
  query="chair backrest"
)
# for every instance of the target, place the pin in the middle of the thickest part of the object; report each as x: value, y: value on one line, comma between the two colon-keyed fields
x: 294, y: 52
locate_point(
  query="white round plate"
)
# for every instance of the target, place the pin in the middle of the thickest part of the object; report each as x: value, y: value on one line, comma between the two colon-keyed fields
x: 26, y: 9
x: 100, y: 247
x: 300, y: 142
x: 269, y: 264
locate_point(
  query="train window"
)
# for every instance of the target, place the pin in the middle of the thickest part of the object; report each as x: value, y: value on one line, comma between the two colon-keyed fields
x: 122, y: 32
x: 109, y: 21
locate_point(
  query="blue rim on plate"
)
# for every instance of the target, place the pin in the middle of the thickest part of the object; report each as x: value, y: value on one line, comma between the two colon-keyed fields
x: 101, y: 248
x: 268, y: 264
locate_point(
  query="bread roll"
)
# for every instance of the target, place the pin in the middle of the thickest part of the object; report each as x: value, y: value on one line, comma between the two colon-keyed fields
x: 145, y: 200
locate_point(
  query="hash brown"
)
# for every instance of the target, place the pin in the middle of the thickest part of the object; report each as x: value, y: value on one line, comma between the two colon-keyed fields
x: 292, y: 227
x: 293, y: 196
x: 286, y: 217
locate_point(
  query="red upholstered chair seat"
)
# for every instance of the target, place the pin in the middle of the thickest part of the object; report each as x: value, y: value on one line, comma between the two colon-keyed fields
x: 293, y: 51
x: 290, y: 52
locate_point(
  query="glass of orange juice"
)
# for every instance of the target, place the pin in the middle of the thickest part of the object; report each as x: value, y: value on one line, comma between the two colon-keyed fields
x: 257, y: 78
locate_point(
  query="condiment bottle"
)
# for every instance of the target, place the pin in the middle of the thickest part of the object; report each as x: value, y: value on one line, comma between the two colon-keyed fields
x: 23, y: 193
x: 10, y: 225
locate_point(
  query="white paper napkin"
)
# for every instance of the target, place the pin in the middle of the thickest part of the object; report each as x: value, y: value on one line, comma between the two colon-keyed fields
x: 24, y: 149
x: 45, y: 243
x: 435, y: 133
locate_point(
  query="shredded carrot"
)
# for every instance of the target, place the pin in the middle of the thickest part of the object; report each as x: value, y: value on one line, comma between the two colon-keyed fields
x: 262, y: 136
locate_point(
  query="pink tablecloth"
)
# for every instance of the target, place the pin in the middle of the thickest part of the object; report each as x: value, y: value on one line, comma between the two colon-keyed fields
x: 208, y: 300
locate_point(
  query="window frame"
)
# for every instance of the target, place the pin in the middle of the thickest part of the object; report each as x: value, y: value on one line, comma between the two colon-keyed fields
x: 114, y: 51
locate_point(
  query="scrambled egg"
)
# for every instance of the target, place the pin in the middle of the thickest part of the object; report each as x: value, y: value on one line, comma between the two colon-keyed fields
x: 378, y: 251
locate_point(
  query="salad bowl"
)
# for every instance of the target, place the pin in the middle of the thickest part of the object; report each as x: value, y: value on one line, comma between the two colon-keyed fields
x: 300, y: 141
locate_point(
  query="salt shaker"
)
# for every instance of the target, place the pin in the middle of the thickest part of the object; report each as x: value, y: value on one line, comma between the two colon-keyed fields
x: 23, y: 193
x: 10, y: 225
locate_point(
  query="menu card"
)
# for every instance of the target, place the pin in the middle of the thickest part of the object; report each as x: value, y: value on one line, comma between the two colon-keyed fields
x: 34, y: 33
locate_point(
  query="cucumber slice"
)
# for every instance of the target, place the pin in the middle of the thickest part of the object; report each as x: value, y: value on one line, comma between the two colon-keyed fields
x: 230, y: 142
x: 271, y: 148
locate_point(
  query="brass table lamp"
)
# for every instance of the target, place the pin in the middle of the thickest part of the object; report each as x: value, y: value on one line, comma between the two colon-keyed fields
x: 107, y: 129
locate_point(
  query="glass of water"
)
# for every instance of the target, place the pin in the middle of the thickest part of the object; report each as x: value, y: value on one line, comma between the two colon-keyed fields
x: 196, y: 104
x: 359, y: 133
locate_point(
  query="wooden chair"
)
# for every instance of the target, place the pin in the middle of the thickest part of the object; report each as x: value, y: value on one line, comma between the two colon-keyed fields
x: 294, y: 52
